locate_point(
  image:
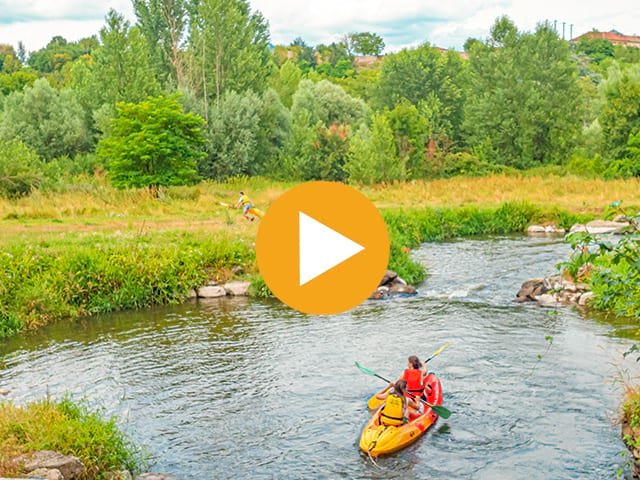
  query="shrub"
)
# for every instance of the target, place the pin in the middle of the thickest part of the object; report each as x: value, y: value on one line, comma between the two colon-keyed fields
x: 20, y: 169
x: 69, y: 428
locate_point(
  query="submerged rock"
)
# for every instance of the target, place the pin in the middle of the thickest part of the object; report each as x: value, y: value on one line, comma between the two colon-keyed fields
x: 392, y: 284
x: 70, y: 467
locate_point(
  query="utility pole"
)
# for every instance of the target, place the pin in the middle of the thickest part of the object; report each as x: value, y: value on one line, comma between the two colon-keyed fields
x: 571, y: 34
x: 555, y: 26
x: 564, y: 24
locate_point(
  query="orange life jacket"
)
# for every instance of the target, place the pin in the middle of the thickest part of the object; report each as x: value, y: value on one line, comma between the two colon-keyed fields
x: 413, y: 377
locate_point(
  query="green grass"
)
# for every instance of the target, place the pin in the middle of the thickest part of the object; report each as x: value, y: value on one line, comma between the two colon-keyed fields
x: 69, y: 428
x: 85, y: 274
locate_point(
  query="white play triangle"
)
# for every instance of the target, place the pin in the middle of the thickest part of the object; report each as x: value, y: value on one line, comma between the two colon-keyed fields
x: 321, y: 248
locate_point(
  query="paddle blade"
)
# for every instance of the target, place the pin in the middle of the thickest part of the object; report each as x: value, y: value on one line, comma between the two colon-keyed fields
x: 441, y: 411
x: 365, y: 370
x: 438, y: 352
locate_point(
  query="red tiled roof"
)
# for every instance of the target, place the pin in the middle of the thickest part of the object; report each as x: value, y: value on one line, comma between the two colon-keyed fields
x: 614, y: 37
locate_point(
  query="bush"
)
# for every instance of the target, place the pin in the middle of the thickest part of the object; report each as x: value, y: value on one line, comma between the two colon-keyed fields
x: 581, y: 166
x: 21, y: 170
x: 461, y: 164
x: 625, y: 168
x: 69, y: 428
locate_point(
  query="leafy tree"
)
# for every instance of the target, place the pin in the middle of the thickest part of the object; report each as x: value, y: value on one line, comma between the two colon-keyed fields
x: 234, y: 127
x: 411, y: 131
x: 59, y: 52
x: 230, y: 48
x: 121, y: 70
x: 524, y: 105
x: 372, y: 154
x: 153, y: 143
x: 620, y: 115
x: 163, y: 24
x: 326, y: 103
x: 597, y: 49
x: 305, y: 55
x: 364, y: 43
x: 15, y: 82
x: 274, y: 129
x: 286, y: 82
x: 20, y: 169
x: 51, y: 122
x: 421, y: 74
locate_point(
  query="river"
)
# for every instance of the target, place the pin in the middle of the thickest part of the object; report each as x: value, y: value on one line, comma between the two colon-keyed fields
x: 250, y: 389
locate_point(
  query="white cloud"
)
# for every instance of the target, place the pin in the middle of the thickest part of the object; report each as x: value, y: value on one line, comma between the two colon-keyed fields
x: 400, y: 22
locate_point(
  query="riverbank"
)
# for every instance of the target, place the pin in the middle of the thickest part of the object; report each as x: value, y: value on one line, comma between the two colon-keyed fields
x: 93, y: 445
x: 80, y: 253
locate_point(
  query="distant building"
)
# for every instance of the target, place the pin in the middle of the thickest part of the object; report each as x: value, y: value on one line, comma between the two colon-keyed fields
x: 613, y: 36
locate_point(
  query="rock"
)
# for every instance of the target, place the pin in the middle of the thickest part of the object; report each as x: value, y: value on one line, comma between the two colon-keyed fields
x: 212, y: 291
x: 70, y: 467
x: 399, y: 288
x: 530, y: 289
x: 46, y: 474
x: 237, y: 289
x: 154, y: 476
x: 389, y: 277
x: 620, y: 218
x: 379, y: 293
x: 536, y: 229
x: 118, y: 475
x: 605, y: 226
x: 193, y: 293
x: 237, y: 270
x: 547, y: 301
x: 4, y: 391
x: 600, y: 226
x: 211, y: 283
x: 585, y: 298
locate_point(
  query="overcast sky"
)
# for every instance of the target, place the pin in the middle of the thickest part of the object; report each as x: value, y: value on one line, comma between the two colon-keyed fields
x: 401, y: 22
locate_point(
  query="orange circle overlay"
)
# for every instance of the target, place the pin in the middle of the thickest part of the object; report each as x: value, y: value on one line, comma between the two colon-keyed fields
x: 342, y: 209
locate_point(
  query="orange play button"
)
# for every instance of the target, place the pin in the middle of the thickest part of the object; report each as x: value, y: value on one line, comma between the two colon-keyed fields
x: 322, y: 248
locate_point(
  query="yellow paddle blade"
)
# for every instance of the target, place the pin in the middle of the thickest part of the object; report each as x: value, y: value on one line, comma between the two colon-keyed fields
x: 440, y: 350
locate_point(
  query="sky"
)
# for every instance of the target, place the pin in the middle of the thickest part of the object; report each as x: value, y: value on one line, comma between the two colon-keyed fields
x: 401, y: 23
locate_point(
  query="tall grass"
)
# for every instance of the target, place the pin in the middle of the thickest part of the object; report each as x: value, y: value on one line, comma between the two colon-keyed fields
x: 87, y: 274
x: 69, y: 428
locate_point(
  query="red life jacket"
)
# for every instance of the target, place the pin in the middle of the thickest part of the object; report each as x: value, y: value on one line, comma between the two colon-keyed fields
x: 413, y: 376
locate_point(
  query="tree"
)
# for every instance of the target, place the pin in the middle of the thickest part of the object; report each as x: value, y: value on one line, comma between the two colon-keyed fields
x: 364, y: 43
x: 59, y: 52
x: 229, y: 48
x: 20, y: 169
x: 326, y: 103
x: 234, y: 126
x: 15, y: 82
x: 597, y: 49
x: 51, y: 122
x: 153, y: 143
x: 422, y: 74
x: 121, y: 70
x: 524, y: 106
x: 305, y: 55
x: 411, y: 131
x: 372, y: 154
x: 274, y: 129
x: 286, y: 82
x: 163, y: 24
x: 620, y: 115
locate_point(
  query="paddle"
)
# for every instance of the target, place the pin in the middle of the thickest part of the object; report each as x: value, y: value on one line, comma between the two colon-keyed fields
x: 438, y: 409
x: 437, y: 352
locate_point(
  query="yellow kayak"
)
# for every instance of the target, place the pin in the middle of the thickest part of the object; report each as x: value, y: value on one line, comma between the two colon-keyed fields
x: 256, y: 212
x: 378, y: 439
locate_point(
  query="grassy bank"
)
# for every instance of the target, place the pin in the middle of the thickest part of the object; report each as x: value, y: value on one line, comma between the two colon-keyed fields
x: 68, y: 428
x: 84, y: 274
x: 96, y: 249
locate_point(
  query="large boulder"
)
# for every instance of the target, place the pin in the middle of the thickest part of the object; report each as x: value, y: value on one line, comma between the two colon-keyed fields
x: 237, y: 289
x: 547, y: 301
x: 399, y: 288
x: 586, y: 298
x: 70, y: 467
x: 530, y: 290
x: 388, y: 278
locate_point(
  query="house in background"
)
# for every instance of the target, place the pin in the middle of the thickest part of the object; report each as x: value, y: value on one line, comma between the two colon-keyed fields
x: 613, y: 36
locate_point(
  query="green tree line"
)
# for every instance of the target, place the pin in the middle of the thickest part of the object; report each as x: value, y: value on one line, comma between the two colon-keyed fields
x: 194, y: 90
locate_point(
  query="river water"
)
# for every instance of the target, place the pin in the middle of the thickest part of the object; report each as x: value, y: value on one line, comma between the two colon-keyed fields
x: 250, y: 389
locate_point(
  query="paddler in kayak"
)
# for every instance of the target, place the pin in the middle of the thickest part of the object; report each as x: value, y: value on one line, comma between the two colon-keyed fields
x: 414, y: 376
x: 246, y: 205
x: 397, y: 406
